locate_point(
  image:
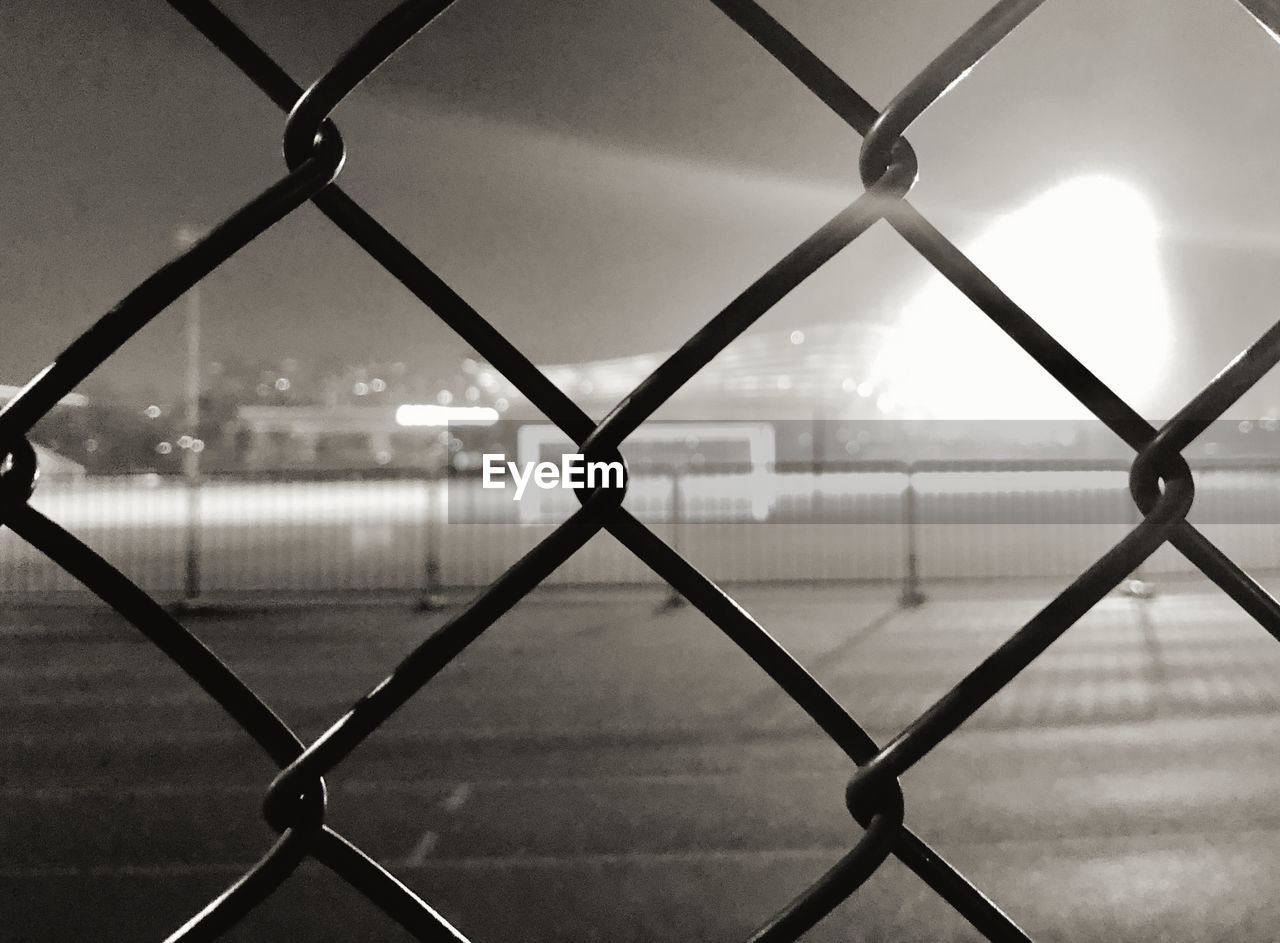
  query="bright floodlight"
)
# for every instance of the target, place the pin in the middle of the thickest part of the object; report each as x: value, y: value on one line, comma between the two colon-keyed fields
x: 429, y: 414
x: 1082, y: 260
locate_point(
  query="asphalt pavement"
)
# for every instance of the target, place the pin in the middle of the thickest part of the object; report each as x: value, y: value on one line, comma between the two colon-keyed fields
x: 597, y: 768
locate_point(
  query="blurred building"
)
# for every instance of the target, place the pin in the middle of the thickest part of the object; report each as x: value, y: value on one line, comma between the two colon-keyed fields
x: 823, y: 370
x: 331, y: 437
x: 815, y: 387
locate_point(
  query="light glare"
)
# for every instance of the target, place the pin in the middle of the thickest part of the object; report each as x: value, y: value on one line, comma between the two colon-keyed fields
x: 428, y: 414
x: 1081, y: 259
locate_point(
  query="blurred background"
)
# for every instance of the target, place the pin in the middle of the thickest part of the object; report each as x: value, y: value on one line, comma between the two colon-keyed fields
x: 598, y: 180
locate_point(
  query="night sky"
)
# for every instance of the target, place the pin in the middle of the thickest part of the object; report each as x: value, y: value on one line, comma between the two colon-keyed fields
x: 599, y: 176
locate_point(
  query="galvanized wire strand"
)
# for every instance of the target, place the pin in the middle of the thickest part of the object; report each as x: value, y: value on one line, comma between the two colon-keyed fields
x: 842, y: 879
x: 1266, y: 13
x: 384, y: 889
x: 247, y: 892
x: 378, y: 44
x: 931, y: 83
x: 800, y: 61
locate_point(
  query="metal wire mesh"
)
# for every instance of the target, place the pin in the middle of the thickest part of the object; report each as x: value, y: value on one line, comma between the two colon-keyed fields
x: 295, y: 803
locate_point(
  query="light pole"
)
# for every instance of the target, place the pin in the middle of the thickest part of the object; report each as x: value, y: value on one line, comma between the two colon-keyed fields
x: 186, y: 237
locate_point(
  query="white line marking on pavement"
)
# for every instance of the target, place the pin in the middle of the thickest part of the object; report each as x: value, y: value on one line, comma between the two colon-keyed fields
x: 451, y: 803
x: 417, y: 857
x: 457, y: 799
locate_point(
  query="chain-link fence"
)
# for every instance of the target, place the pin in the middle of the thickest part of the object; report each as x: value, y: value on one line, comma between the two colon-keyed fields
x: 295, y: 805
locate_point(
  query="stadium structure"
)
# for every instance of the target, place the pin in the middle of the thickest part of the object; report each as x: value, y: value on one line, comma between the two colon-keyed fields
x: 822, y: 370
x: 821, y: 390
x: 818, y: 373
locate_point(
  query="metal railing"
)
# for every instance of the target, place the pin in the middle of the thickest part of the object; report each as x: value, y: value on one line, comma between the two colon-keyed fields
x: 295, y: 805
x: 225, y: 539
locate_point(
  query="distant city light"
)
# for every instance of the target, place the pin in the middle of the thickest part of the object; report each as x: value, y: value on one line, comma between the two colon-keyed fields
x: 152, y: 411
x: 866, y: 388
x: 444, y: 397
x: 360, y: 389
x: 426, y: 414
x: 164, y: 448
x: 282, y: 384
x: 884, y: 403
x: 184, y: 442
x: 797, y: 337
x: 473, y: 394
x: 377, y: 384
x: 197, y: 445
x: 502, y: 404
